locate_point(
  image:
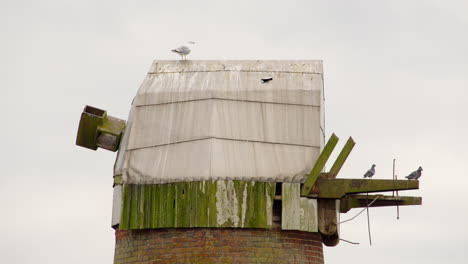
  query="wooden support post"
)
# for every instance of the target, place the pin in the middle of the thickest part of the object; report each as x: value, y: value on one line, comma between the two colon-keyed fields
x: 319, y: 165
x: 328, y: 221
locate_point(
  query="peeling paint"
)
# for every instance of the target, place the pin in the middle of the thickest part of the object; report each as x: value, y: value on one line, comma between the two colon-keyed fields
x: 227, y: 204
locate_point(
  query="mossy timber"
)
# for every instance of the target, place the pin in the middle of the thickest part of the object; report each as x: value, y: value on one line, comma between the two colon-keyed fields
x: 198, y: 204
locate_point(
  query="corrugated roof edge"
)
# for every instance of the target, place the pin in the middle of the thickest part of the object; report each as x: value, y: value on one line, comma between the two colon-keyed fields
x: 297, y: 66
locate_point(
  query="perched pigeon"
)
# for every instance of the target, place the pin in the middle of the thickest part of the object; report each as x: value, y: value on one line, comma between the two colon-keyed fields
x: 370, y: 172
x: 415, y: 174
x: 265, y: 80
x: 183, y: 51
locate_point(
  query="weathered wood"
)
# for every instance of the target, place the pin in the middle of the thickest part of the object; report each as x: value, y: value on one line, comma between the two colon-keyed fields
x: 357, y: 201
x: 319, y: 165
x: 309, y: 215
x: 91, y: 118
x: 254, y: 66
x: 116, y: 205
x: 297, y: 213
x: 197, y: 204
x: 328, y: 221
x: 97, y: 129
x: 291, y: 206
x: 340, y: 160
x: 337, y: 188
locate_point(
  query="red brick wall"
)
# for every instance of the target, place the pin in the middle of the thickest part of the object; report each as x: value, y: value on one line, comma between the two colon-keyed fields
x: 220, y: 245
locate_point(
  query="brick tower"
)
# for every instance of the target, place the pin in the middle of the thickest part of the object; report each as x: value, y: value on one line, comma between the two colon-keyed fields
x: 221, y: 162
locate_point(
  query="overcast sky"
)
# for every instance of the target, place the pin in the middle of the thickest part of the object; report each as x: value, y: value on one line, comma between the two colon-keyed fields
x: 396, y: 80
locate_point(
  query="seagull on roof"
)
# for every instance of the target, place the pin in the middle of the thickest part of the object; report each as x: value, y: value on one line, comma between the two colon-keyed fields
x: 370, y: 172
x: 183, y: 50
x: 415, y: 174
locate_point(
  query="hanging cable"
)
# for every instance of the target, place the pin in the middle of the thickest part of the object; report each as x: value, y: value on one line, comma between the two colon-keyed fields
x: 347, y: 241
x: 360, y: 211
x: 368, y: 219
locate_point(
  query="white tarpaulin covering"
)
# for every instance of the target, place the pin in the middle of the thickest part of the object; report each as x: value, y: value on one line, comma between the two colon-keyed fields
x: 217, y: 120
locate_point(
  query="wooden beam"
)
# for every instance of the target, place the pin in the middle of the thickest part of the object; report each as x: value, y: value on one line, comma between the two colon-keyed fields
x: 337, y: 188
x: 319, y: 165
x: 328, y: 221
x: 348, y: 147
x: 359, y: 201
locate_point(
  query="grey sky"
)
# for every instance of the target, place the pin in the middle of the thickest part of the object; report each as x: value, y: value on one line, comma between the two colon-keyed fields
x: 396, y: 79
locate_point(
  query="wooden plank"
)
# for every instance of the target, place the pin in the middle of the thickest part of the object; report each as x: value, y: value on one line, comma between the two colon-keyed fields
x: 203, y: 212
x: 319, y: 165
x: 124, y: 215
x: 212, y: 189
x: 337, y: 188
x: 308, y: 216
x: 340, y: 160
x: 147, y: 208
x: 116, y: 205
x: 291, y: 206
x: 359, y: 201
x: 271, y: 190
x: 141, y: 207
x: 155, y: 207
x: 194, y: 212
x: 134, y: 208
x: 258, y: 203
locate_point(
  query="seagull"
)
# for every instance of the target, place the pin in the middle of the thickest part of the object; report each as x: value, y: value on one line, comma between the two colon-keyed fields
x: 265, y: 80
x: 370, y: 172
x: 415, y: 174
x: 183, y: 51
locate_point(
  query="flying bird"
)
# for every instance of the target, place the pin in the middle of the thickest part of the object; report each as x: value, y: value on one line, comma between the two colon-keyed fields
x: 265, y: 80
x: 415, y: 174
x: 370, y: 172
x: 183, y: 50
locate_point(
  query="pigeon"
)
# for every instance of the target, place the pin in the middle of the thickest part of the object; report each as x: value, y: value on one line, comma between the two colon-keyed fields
x: 265, y: 80
x: 370, y: 172
x: 415, y: 174
x: 183, y: 51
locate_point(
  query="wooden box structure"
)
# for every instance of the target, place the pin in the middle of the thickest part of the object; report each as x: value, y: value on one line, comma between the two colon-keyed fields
x: 212, y: 138
x: 211, y: 144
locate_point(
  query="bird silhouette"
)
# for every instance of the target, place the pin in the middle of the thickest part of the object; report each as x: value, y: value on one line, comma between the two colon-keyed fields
x: 415, y: 174
x: 183, y: 50
x: 370, y: 172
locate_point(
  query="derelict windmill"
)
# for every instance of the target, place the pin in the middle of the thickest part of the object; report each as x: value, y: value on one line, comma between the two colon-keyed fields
x: 215, y: 164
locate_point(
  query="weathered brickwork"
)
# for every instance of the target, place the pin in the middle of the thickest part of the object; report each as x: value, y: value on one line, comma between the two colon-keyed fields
x: 220, y: 245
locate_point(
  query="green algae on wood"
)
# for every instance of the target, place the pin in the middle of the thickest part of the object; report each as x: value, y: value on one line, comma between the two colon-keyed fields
x: 340, y: 160
x: 197, y: 204
x: 97, y: 129
x: 337, y: 188
x: 319, y: 165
